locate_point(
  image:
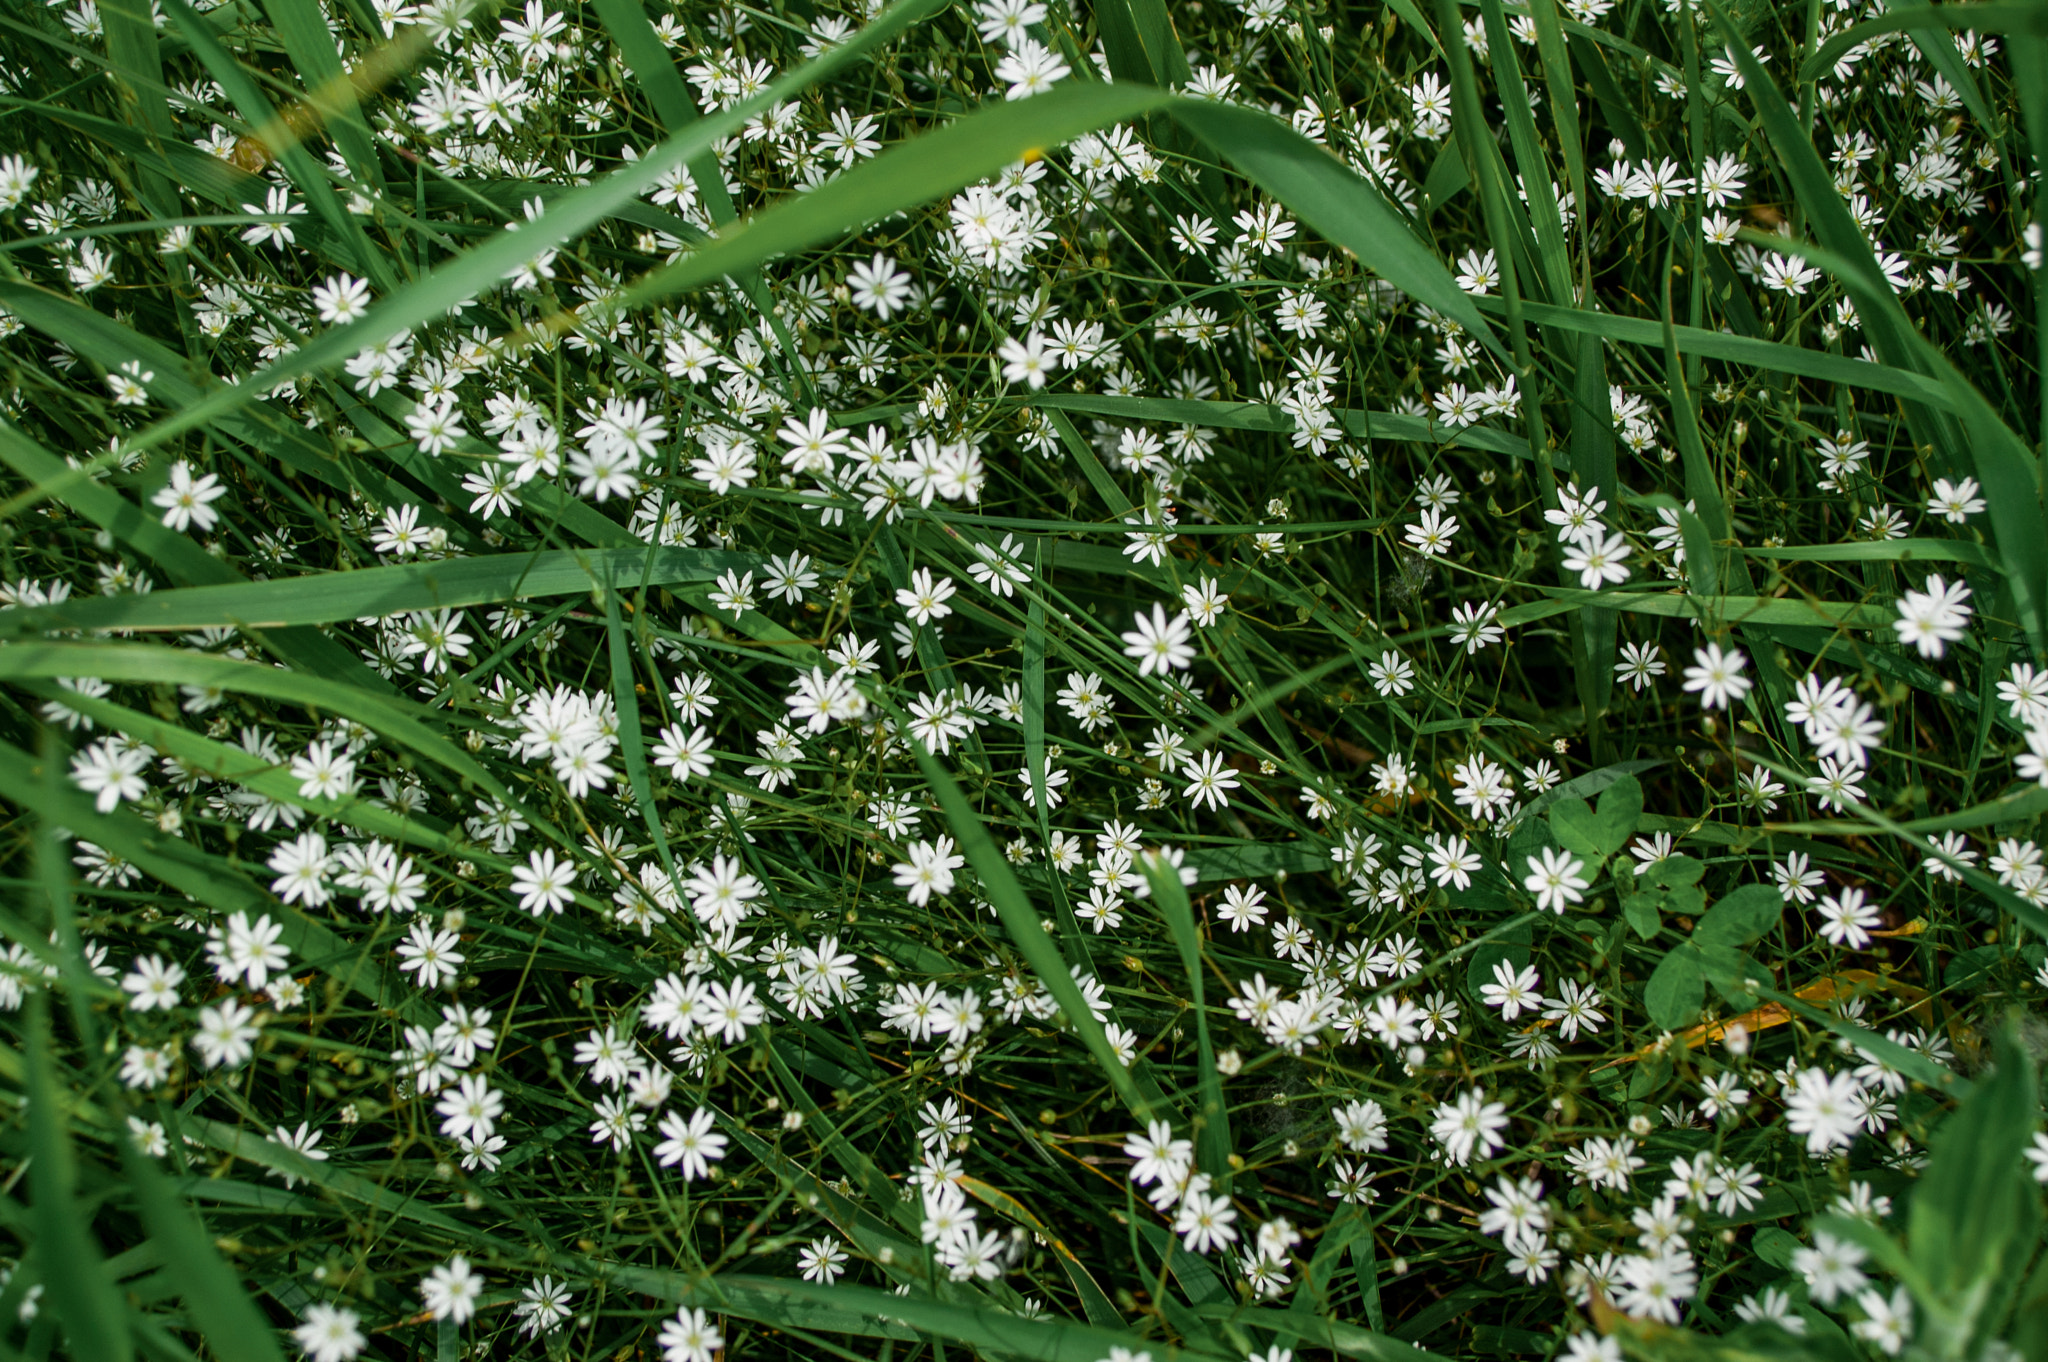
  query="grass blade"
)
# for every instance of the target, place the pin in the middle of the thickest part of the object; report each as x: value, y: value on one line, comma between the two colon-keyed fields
x: 233, y: 1327
x: 325, y: 598
x: 74, y: 1273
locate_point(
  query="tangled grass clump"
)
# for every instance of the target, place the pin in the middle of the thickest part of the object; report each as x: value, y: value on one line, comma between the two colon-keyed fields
x: 1260, y: 681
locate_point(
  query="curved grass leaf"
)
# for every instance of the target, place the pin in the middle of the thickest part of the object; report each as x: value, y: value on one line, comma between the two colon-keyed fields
x: 324, y: 598
x: 1718, y: 609
x: 1212, y: 1119
x: 1377, y: 425
x: 1770, y: 356
x: 1977, y: 18
x: 1974, y: 437
x: 1884, y: 551
x: 181, y: 559
x: 357, y: 252
x: 234, y: 1328
x: 1022, y: 923
x: 772, y: 1300
x: 204, y: 879
x: 74, y: 1274
x: 487, y: 265
x: 393, y: 717
x: 937, y: 164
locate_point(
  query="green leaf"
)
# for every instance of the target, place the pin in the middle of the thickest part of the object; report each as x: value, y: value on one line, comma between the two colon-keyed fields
x: 1640, y: 910
x: 1884, y: 551
x: 632, y: 749
x: 1621, y: 808
x: 1138, y: 39
x: 182, y: 559
x: 1021, y: 921
x: 1910, y: 1062
x: 1333, y: 200
x: 486, y: 265
x: 656, y: 73
x: 1572, y: 823
x: 1742, y: 917
x: 1598, y: 835
x: 234, y: 1328
x: 868, y: 1310
x: 1198, y: 1281
x: 1677, y: 989
x: 302, y: 28
x: 1731, y: 610
x: 1672, y: 872
x: 917, y: 171
x: 1091, y: 467
x: 1746, y: 351
x: 355, y: 249
x: 1775, y: 1246
x: 135, y: 53
x: 2004, y: 465
x: 74, y: 1273
x: 1374, y: 425
x: 1212, y: 1120
x: 1975, y: 1206
x: 328, y: 597
x: 205, y: 879
x: 395, y: 717
x: 1993, y: 17
x: 1734, y: 975
x: 1511, y: 946
x: 1345, y: 1339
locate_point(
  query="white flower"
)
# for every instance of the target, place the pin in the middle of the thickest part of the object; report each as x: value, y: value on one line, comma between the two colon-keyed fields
x: 330, y: 1333
x: 1513, y: 991
x: 1210, y: 780
x: 1930, y: 620
x: 690, y: 1337
x: 690, y: 1143
x: 1157, y: 1157
x: 879, y: 287
x: 1826, y: 1108
x: 545, y: 884
x: 435, y: 427
x: 111, y: 771
x: 1847, y: 919
x: 1205, y: 1222
x: 1717, y: 676
x: 430, y: 953
x: 684, y: 756
x: 823, y: 1260
x: 341, y: 300
x: 1887, y: 1320
x: 1831, y: 1267
x: 226, y: 1034
x: 2037, y: 1154
x: 1159, y: 643
x: 927, y: 597
x: 188, y: 501
x: 324, y: 771
x: 452, y: 1290
x: 470, y: 1108
x: 1469, y: 1124
x: 1030, y: 68
x: 928, y: 871
x: 1431, y: 536
x: 1028, y: 361
x: 1205, y: 604
x: 1556, y: 879
x: 1598, y: 558
x: 245, y: 950
x: 154, y: 984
